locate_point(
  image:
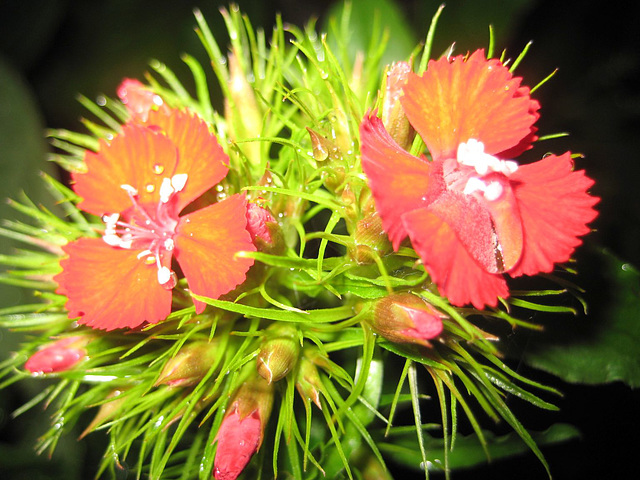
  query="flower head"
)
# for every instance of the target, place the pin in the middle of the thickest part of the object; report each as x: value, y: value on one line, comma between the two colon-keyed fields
x: 472, y: 213
x: 57, y: 356
x: 139, y: 183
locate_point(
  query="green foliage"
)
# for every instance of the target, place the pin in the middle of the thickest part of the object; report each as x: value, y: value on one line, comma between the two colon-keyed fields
x: 601, y: 348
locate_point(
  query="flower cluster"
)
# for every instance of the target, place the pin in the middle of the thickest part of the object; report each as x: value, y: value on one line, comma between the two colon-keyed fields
x: 222, y: 259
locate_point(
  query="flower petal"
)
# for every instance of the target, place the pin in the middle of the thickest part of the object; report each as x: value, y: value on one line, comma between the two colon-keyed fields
x: 471, y: 223
x: 200, y: 155
x: 109, y: 287
x: 457, y: 275
x: 555, y: 209
x: 459, y: 99
x: 135, y: 157
x: 397, y: 179
x: 207, y: 241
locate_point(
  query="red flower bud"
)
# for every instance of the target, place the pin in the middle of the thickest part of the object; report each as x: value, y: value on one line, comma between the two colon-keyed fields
x: 238, y: 439
x: 406, y: 318
x: 139, y: 99
x: 258, y: 220
x: 58, y: 356
x: 241, y: 432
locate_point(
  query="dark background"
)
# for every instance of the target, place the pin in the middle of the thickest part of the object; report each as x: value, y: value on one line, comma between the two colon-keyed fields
x: 51, y: 50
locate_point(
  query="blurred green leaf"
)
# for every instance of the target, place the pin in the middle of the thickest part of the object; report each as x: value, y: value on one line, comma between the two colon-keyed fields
x: 372, y: 17
x: 468, y: 451
x: 603, y: 347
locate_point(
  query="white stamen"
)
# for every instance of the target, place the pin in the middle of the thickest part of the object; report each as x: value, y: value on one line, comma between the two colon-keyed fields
x: 112, y: 239
x: 129, y: 189
x: 144, y: 253
x: 472, y: 154
x: 474, y: 184
x: 166, y: 190
x: 179, y: 181
x: 493, y: 191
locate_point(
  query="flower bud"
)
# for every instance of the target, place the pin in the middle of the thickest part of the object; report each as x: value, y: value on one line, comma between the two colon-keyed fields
x: 369, y: 239
x: 242, y: 430
x: 241, y: 110
x: 327, y: 154
x: 279, y: 352
x: 393, y: 117
x: 308, y: 382
x: 406, y: 318
x: 58, y: 356
x: 106, y: 412
x: 265, y: 231
x: 139, y: 99
x: 189, y: 365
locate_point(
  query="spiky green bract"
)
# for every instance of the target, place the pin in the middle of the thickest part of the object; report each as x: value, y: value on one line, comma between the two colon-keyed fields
x: 292, y: 107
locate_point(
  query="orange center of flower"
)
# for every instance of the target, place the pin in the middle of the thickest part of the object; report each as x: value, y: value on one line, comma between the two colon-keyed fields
x: 149, y: 228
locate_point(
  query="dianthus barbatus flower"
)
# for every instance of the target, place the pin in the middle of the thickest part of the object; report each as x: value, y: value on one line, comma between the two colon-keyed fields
x: 472, y: 213
x: 140, y: 182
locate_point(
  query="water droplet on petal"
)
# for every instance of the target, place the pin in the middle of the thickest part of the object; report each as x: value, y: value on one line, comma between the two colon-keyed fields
x: 150, y: 188
x: 158, y: 169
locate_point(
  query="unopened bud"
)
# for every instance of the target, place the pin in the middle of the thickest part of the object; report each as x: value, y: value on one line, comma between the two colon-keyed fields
x: 308, y: 382
x: 327, y: 154
x: 265, y: 231
x: 242, y: 113
x: 242, y: 430
x: 58, y: 356
x: 139, y: 99
x: 393, y: 117
x: 406, y: 318
x: 370, y: 239
x: 279, y: 352
x: 106, y: 412
x: 189, y: 365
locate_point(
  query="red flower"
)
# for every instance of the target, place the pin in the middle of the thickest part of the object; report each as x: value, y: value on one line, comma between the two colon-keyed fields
x: 58, y: 356
x: 471, y: 213
x: 238, y: 439
x: 139, y: 99
x: 140, y: 182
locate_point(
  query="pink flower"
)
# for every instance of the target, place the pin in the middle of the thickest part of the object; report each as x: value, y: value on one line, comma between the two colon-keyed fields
x: 139, y: 183
x: 58, y: 356
x: 472, y: 213
x: 238, y: 439
x: 139, y: 99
